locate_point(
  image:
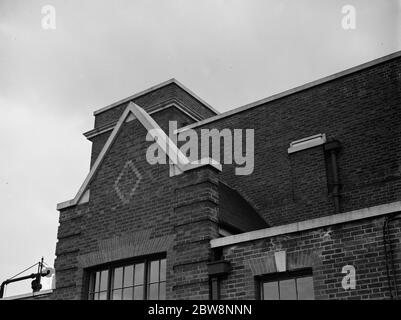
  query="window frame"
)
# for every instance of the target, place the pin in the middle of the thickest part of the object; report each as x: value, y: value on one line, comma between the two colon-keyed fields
x: 112, y: 266
x: 281, y: 276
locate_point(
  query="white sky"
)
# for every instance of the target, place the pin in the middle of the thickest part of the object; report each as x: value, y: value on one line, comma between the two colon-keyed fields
x: 229, y: 52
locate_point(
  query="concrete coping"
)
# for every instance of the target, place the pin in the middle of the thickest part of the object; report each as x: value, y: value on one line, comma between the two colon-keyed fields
x: 292, y: 91
x: 306, y: 143
x: 339, y: 218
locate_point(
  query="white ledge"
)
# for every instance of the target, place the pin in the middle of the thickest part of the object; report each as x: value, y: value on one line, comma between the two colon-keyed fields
x: 308, y: 224
x: 175, y: 104
x: 307, y: 143
x: 177, y: 169
x: 203, y: 162
x: 293, y: 90
x: 28, y: 295
x: 65, y: 204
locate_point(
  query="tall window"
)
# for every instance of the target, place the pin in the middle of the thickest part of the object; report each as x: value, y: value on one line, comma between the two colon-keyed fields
x: 141, y: 280
x: 290, y: 286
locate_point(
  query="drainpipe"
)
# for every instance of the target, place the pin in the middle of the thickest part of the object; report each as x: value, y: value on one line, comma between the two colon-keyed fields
x: 217, y: 269
x: 332, y: 148
x: 391, y: 279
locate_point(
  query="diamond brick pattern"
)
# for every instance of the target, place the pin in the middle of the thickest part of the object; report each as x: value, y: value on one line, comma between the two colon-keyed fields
x: 127, y: 182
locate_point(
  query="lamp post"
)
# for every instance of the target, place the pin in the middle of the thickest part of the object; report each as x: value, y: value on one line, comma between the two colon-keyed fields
x: 36, y: 285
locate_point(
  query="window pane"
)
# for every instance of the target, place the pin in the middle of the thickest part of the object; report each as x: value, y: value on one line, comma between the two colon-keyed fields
x: 270, y: 291
x: 163, y: 270
x: 287, y: 290
x: 117, y: 294
x: 103, y: 280
x: 103, y: 295
x: 118, y: 278
x: 162, y: 291
x: 153, y: 291
x: 97, y: 281
x: 129, y: 276
x: 92, y: 278
x: 138, y: 293
x: 127, y: 293
x: 146, y: 280
x: 305, y: 288
x: 154, y: 271
x: 139, y: 273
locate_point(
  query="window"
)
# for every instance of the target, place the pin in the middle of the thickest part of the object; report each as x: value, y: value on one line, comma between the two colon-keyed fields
x: 141, y: 280
x: 289, y: 286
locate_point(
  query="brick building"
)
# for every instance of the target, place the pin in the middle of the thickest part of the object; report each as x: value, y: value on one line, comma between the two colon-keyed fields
x: 319, y: 208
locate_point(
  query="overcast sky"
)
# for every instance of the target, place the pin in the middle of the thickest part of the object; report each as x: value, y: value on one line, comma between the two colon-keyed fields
x: 229, y: 52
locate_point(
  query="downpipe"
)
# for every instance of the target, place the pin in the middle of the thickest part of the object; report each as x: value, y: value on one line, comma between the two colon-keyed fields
x: 389, y: 256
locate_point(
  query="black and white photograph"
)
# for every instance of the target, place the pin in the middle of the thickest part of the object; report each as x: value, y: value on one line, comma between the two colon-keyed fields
x: 205, y: 156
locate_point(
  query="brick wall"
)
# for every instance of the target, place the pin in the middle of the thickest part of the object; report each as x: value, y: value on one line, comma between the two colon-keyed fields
x: 196, y: 223
x: 361, y: 110
x: 149, y: 100
x: 161, y: 117
x: 326, y: 251
x: 178, y: 215
x: 172, y: 215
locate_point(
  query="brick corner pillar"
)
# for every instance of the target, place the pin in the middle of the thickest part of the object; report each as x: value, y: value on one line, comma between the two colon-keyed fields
x: 69, y: 278
x: 195, y: 224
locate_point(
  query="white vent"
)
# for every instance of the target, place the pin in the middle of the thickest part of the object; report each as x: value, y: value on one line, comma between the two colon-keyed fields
x: 306, y: 143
